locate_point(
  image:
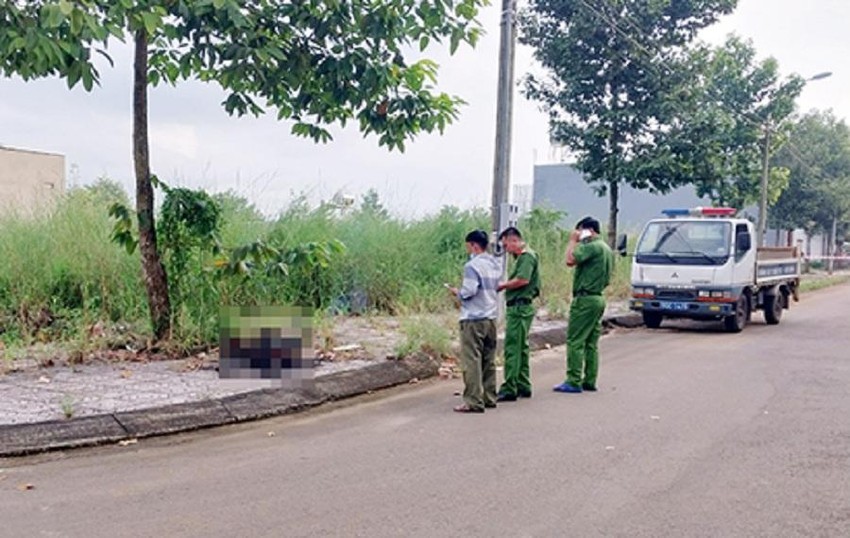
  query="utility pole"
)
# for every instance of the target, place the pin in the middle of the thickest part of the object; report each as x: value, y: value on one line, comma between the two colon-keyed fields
x: 762, y: 224
x: 504, y: 115
x: 832, y: 243
x: 504, y: 120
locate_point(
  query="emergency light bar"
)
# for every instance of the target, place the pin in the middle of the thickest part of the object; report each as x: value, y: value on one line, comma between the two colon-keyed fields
x: 701, y: 212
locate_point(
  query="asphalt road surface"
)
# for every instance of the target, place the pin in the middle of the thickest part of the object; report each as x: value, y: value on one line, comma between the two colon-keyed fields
x: 695, y: 432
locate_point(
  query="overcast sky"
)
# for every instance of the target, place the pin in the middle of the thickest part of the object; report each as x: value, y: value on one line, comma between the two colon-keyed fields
x: 194, y: 143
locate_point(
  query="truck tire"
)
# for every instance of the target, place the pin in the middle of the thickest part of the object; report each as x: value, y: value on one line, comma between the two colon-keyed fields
x: 737, y: 322
x: 773, y: 305
x: 652, y: 320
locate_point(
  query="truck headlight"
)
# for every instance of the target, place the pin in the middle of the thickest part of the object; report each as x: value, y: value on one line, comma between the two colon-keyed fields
x: 643, y: 292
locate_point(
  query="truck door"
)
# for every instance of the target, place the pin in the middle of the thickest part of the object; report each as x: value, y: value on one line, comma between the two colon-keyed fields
x: 744, y: 271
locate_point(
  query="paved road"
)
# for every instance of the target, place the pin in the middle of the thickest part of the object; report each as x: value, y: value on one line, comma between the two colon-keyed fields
x: 695, y: 433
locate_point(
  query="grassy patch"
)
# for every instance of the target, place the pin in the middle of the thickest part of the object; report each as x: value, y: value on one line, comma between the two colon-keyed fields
x: 825, y: 282
x: 422, y: 334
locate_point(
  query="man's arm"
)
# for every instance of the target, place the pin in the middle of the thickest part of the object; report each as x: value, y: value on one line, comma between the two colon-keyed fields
x: 571, y: 249
x: 471, y: 283
x: 524, y: 270
x: 513, y: 284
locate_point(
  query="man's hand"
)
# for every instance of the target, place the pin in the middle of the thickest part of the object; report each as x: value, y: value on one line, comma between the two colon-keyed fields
x: 501, y: 287
x: 574, y: 236
x: 453, y: 291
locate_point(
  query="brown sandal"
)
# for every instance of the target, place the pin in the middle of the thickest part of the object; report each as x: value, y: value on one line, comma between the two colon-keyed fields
x: 466, y: 409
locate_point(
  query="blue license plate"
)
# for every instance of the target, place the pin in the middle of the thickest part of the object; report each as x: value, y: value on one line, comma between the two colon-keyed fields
x: 676, y: 306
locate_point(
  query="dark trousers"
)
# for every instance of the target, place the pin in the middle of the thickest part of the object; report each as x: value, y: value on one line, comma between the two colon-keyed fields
x: 478, y: 362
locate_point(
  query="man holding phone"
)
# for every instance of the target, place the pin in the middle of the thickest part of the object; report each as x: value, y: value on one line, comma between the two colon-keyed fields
x: 478, y: 313
x: 593, y: 262
x: 521, y: 288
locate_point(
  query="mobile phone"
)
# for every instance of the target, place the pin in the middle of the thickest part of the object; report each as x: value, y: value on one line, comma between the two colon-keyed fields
x: 445, y: 285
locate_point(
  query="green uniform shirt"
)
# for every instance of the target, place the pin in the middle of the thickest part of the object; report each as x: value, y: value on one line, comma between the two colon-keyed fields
x: 594, y: 265
x: 526, y: 267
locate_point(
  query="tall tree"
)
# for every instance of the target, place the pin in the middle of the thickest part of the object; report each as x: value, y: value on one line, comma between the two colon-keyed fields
x: 611, y: 72
x: 314, y: 62
x: 818, y: 157
x: 737, y: 107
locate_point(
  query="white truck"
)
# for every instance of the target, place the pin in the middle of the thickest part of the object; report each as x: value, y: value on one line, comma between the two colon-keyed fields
x: 701, y: 264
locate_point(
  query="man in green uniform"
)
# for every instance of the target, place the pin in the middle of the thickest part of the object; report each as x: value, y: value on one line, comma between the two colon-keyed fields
x: 521, y: 288
x: 593, y: 262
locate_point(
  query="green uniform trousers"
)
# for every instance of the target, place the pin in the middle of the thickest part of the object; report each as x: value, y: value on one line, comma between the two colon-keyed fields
x: 478, y: 362
x: 583, y: 331
x: 517, y: 369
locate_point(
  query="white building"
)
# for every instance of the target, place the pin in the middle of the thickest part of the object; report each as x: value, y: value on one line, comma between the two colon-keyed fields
x: 29, y: 180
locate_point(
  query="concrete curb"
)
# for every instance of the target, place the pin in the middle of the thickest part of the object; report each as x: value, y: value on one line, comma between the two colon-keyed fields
x: 26, y: 439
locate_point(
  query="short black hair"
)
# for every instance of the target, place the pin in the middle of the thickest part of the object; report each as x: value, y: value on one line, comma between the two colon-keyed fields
x: 510, y: 231
x: 479, y: 237
x: 588, y: 223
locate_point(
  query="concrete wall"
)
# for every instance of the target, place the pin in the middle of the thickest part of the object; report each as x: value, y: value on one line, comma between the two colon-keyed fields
x: 561, y: 187
x: 30, y: 181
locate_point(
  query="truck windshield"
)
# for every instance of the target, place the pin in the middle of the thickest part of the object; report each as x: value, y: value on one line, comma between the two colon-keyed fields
x: 685, y: 243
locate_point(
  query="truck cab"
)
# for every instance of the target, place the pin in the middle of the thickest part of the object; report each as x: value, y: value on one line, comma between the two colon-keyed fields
x: 701, y: 264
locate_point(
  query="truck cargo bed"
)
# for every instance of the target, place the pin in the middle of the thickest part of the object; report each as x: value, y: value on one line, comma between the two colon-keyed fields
x: 777, y: 264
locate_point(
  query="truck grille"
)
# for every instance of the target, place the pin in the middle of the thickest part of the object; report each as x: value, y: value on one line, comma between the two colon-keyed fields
x: 680, y: 295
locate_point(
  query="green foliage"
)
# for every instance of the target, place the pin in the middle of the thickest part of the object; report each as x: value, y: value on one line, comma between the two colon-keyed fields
x: 63, y: 274
x: 718, y: 140
x: 611, y: 82
x: 371, y: 205
x: 818, y: 158
x: 314, y: 63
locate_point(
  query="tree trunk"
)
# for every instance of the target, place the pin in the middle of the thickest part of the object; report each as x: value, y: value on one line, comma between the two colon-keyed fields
x: 613, y: 210
x: 156, y: 282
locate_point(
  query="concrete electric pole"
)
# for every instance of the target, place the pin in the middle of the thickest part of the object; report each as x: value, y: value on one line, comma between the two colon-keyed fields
x: 504, y: 115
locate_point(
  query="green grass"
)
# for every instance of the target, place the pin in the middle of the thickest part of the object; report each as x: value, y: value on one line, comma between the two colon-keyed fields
x: 825, y: 282
x: 61, y: 274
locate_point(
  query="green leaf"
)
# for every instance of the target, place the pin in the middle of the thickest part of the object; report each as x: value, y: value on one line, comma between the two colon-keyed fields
x: 151, y: 22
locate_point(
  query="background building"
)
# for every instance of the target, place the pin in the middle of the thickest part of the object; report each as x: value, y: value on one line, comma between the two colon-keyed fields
x: 29, y: 180
x: 522, y: 198
x: 561, y: 187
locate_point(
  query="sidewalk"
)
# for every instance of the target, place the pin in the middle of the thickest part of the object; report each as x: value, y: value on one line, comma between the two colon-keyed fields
x: 62, y: 406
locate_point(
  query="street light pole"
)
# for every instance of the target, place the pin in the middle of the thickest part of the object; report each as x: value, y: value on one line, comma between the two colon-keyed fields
x: 762, y: 224
x: 765, y: 176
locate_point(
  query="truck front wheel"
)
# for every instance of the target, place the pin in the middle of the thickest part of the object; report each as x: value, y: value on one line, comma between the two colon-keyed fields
x: 773, y: 305
x: 652, y: 320
x: 737, y: 322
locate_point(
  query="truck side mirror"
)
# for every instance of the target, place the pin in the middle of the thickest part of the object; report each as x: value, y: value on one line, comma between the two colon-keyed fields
x: 744, y: 242
x: 622, y: 244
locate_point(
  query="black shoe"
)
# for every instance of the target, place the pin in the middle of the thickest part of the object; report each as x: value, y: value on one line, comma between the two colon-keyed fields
x: 524, y: 394
x: 502, y: 397
x: 588, y: 388
x: 490, y: 405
